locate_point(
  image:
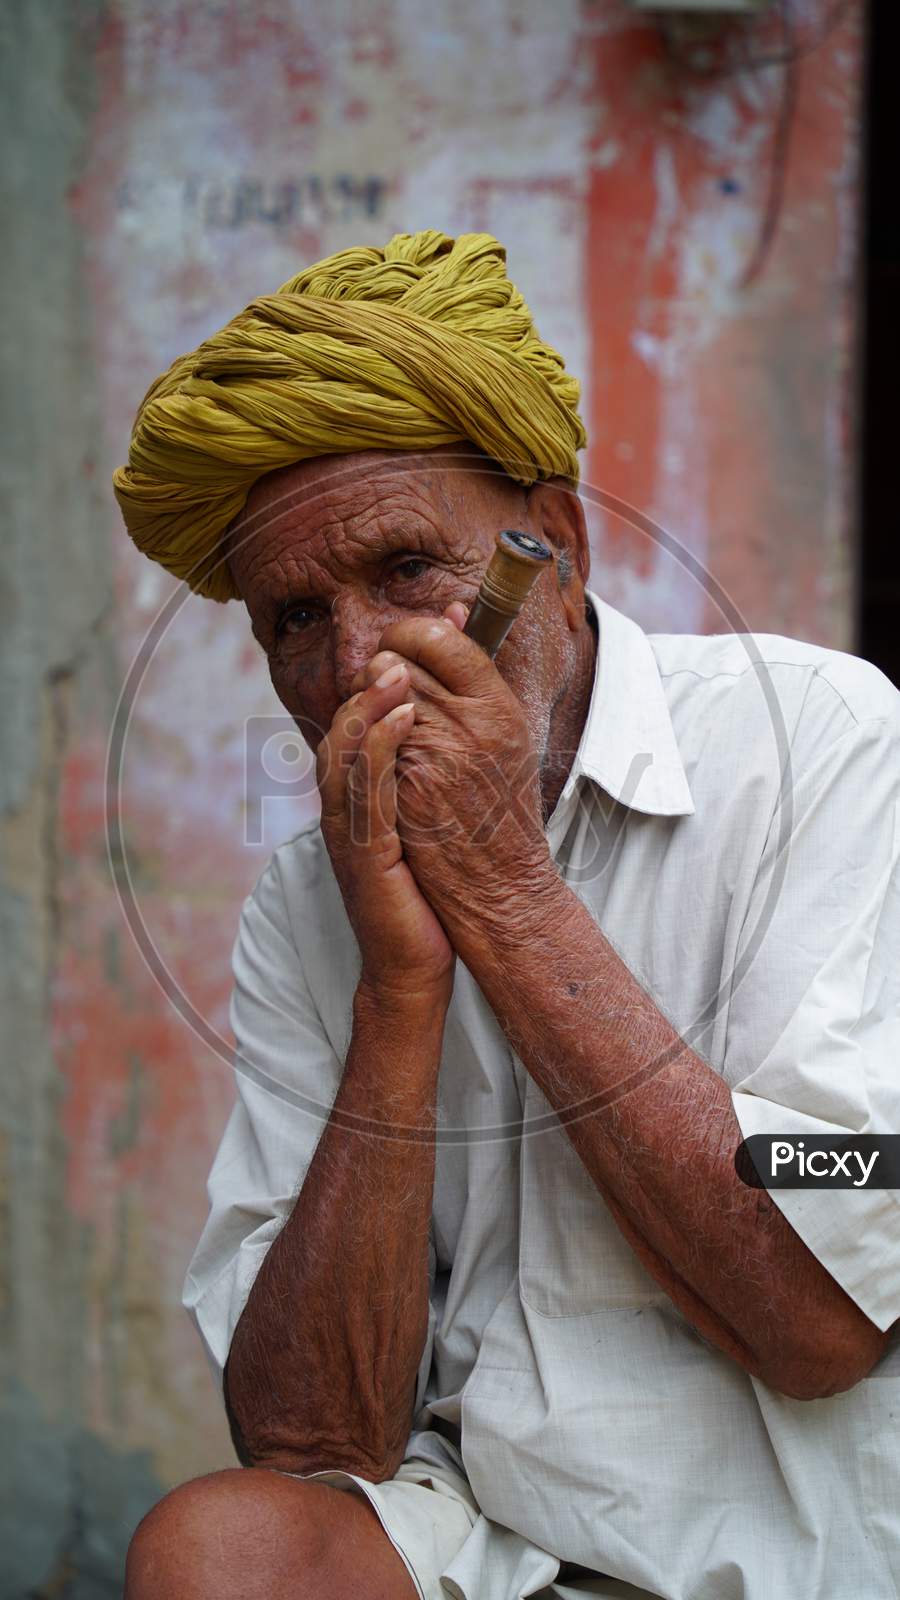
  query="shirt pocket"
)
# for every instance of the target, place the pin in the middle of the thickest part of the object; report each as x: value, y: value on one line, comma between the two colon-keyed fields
x: 572, y: 1257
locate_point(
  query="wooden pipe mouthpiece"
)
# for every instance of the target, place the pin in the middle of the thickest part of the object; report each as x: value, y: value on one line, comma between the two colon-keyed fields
x: 505, y: 587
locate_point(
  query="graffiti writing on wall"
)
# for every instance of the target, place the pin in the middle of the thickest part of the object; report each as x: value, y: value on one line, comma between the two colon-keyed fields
x: 311, y: 200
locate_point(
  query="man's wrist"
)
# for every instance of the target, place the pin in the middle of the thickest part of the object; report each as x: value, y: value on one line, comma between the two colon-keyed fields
x: 411, y: 1007
x: 504, y: 928
x: 394, y: 1058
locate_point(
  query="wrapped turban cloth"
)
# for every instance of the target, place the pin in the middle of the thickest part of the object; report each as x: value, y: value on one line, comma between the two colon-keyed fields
x: 423, y: 343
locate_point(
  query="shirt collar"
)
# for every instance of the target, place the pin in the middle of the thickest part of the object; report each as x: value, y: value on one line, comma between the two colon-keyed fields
x: 628, y: 744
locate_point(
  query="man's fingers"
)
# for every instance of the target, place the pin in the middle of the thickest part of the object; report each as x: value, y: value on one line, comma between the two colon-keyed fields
x: 374, y: 668
x: 371, y: 782
x: 438, y: 645
x: 352, y: 721
x: 455, y: 612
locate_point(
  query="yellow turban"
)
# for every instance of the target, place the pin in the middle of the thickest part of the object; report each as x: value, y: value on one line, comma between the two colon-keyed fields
x: 423, y: 343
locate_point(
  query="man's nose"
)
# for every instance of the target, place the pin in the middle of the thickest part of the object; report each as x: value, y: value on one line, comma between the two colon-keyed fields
x: 357, y: 623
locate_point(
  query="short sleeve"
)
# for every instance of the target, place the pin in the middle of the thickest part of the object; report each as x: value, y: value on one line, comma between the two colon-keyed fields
x: 813, y: 1037
x: 286, y: 1076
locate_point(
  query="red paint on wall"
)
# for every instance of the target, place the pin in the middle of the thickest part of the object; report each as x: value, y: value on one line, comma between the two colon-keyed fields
x: 722, y: 413
x: 674, y: 334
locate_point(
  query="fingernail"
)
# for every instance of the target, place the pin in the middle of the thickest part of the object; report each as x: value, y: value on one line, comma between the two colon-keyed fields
x: 399, y: 712
x: 392, y: 675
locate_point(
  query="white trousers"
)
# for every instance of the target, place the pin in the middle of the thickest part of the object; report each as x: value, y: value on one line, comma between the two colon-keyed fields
x: 452, y: 1552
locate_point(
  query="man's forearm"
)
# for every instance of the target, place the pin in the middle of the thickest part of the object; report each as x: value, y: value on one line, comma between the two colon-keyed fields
x: 324, y: 1359
x: 659, y: 1145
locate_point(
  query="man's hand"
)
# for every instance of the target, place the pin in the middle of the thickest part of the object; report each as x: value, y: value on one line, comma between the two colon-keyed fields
x: 403, y: 947
x: 468, y: 785
x: 469, y: 822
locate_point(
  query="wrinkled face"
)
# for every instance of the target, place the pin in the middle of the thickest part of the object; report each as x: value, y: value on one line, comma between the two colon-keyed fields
x: 327, y: 553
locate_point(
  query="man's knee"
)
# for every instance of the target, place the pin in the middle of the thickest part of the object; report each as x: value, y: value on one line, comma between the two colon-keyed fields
x: 249, y: 1532
x: 216, y: 1535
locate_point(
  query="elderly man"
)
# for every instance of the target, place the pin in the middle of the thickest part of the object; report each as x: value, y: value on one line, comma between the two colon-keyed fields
x: 495, y: 1314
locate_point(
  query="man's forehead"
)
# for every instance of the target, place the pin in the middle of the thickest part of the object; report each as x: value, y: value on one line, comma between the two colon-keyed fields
x: 363, y: 471
x: 330, y: 510
x: 339, y: 489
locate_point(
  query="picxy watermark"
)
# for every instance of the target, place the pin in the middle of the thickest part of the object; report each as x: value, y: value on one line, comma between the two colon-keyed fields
x: 820, y: 1161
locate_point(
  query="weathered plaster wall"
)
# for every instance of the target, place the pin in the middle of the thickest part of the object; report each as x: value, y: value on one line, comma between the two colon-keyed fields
x: 165, y: 161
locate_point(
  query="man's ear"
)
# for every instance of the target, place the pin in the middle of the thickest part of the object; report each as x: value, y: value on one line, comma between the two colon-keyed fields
x: 229, y: 538
x: 558, y: 509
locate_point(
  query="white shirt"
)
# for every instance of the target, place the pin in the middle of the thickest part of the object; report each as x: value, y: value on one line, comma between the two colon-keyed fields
x: 732, y: 822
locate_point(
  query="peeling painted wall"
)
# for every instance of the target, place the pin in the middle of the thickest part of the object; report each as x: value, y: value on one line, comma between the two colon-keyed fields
x: 164, y: 161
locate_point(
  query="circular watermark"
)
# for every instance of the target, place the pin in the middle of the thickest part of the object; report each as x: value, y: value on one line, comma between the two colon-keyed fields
x: 281, y: 756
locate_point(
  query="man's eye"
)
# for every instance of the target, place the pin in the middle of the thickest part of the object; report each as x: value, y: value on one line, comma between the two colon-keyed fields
x: 411, y: 567
x: 297, y: 619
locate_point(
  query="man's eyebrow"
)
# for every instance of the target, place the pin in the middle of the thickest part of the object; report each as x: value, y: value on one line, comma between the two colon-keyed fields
x: 405, y: 530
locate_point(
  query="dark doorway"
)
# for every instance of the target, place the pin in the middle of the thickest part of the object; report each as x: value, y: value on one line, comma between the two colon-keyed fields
x: 878, y: 637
